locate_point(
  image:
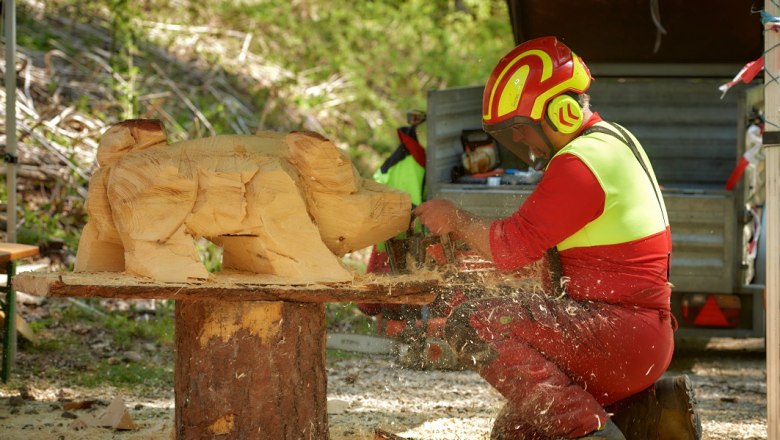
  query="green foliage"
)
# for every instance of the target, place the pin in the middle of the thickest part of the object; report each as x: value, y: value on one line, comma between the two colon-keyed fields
x: 379, y: 58
x: 348, y: 69
x: 127, y: 331
x: 31, y: 41
x: 38, y: 228
x: 129, y: 374
x: 332, y: 355
x: 124, y: 50
x: 210, y: 254
x: 346, y: 317
x: 95, y: 342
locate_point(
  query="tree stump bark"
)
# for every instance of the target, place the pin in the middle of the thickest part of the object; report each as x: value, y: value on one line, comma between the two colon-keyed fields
x: 250, y: 370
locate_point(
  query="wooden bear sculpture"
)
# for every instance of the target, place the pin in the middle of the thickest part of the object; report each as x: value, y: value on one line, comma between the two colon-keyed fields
x: 287, y: 204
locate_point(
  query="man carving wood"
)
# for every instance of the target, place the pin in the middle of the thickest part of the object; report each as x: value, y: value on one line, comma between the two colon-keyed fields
x: 564, y: 359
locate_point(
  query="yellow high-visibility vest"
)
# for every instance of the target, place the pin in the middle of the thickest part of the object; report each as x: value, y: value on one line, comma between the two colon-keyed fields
x: 633, y: 207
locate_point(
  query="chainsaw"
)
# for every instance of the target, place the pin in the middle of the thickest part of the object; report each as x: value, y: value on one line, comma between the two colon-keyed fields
x: 418, y: 344
x: 465, y: 275
x: 416, y: 250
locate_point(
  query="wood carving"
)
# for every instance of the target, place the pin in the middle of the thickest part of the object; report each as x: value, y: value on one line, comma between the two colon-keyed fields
x: 287, y: 204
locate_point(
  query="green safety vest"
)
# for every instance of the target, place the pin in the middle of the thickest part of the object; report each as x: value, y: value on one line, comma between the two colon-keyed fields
x: 406, y: 175
x: 409, y: 176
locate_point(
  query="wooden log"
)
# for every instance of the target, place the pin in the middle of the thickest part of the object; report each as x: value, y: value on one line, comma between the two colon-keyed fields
x: 229, y: 286
x: 250, y: 370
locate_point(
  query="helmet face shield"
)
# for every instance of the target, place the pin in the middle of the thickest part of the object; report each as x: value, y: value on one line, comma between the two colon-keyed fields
x: 505, y: 133
x: 505, y: 137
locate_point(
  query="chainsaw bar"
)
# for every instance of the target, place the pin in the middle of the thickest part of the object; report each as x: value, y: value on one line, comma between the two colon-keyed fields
x: 362, y: 343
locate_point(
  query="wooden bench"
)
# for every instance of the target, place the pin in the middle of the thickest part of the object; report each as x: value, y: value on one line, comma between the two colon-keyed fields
x: 9, y: 254
x: 250, y: 350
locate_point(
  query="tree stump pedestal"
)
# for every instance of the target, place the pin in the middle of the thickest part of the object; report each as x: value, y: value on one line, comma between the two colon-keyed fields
x: 250, y: 356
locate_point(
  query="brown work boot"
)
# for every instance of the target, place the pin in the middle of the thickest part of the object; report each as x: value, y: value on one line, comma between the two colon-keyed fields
x: 679, y: 417
x: 511, y: 426
x: 666, y: 411
x: 507, y: 425
x: 609, y: 431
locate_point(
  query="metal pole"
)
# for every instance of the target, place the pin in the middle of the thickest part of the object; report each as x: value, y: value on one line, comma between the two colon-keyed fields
x: 9, y: 345
x: 9, y: 336
x: 10, y: 116
x: 772, y: 227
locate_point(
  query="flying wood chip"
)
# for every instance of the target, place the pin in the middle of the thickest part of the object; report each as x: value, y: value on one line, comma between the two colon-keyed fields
x: 115, y: 417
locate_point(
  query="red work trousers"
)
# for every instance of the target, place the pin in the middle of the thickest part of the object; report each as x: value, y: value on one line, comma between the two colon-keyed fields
x: 558, y: 361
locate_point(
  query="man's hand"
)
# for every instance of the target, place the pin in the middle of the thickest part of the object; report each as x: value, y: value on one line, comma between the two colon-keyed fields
x: 439, y: 216
x: 443, y: 217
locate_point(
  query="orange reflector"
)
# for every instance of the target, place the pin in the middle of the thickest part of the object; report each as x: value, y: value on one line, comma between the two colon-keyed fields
x: 702, y: 310
x: 393, y: 327
x: 711, y: 315
x: 434, y: 352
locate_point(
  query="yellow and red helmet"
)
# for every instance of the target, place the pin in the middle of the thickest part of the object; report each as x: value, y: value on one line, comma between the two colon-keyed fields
x: 524, y: 82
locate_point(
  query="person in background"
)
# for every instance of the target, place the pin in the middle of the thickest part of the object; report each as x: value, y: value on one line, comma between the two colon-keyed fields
x: 403, y: 170
x: 601, y: 339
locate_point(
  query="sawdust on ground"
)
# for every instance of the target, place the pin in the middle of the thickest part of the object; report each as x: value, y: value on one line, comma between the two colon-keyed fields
x: 369, y: 392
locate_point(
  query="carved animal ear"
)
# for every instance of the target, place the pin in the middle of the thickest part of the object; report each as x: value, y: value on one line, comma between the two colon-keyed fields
x: 323, y: 166
x: 133, y: 134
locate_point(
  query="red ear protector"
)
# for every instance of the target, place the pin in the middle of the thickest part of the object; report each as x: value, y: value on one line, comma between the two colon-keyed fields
x: 564, y: 114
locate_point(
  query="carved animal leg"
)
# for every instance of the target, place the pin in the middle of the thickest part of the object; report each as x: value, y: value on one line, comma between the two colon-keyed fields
x: 100, y: 247
x: 96, y: 255
x: 286, y: 236
x: 150, y: 199
x: 175, y: 260
x: 251, y: 254
x: 243, y: 253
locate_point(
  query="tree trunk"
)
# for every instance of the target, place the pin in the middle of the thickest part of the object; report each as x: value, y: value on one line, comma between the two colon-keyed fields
x: 250, y: 370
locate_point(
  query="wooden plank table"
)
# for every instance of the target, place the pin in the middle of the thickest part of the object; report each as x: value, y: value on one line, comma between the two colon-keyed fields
x: 250, y: 349
x: 9, y: 254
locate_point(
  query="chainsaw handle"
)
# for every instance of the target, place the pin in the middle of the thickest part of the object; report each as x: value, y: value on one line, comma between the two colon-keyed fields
x: 410, y: 229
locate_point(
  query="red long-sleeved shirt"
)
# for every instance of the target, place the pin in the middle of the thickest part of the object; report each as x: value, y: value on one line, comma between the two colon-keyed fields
x: 567, y: 198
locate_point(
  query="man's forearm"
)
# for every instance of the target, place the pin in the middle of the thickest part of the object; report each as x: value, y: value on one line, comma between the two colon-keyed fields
x: 475, y: 231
